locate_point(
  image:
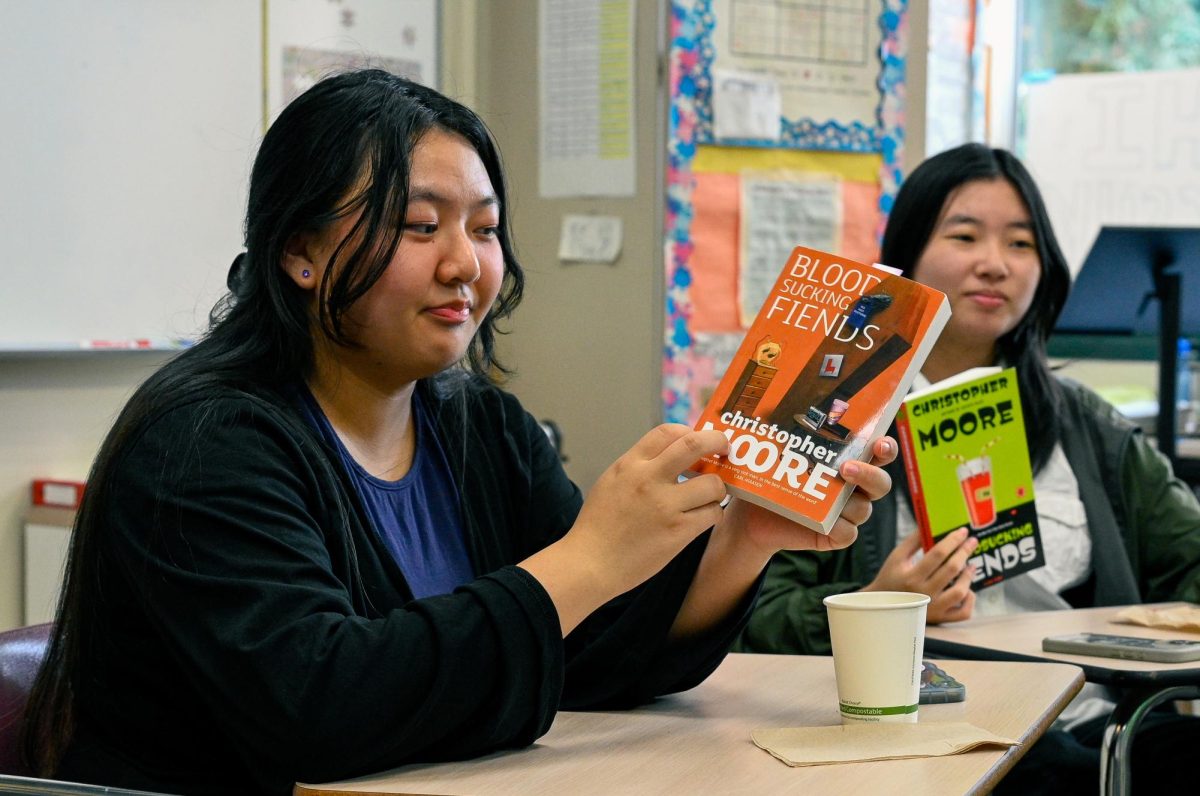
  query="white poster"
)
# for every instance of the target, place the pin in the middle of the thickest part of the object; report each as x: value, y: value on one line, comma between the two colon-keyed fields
x: 781, y: 210
x: 308, y: 39
x: 746, y: 105
x: 585, y: 83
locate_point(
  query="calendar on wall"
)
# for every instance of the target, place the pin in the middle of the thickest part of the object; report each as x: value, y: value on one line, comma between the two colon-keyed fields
x: 822, y: 55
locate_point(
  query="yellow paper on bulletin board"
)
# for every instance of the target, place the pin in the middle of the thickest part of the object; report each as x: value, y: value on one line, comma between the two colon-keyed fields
x: 856, y: 166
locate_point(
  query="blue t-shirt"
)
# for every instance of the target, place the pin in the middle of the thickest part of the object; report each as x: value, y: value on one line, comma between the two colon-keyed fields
x: 417, y: 517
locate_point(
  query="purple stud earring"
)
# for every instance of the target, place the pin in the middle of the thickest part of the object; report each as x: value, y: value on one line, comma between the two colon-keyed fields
x: 306, y: 273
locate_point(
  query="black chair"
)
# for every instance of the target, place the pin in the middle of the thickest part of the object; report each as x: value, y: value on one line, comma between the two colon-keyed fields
x: 21, y: 654
x: 50, y: 787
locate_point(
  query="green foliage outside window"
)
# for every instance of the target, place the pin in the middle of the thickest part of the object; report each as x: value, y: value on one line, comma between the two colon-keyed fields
x: 1068, y: 36
x: 1072, y: 36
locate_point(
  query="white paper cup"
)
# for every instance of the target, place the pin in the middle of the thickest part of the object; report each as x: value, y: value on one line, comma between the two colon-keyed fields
x: 878, y: 640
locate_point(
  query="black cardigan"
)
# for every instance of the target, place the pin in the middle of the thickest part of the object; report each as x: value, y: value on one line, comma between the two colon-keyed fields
x: 254, y: 631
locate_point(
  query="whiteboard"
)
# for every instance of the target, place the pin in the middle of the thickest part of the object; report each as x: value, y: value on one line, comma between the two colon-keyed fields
x: 1115, y: 149
x: 128, y: 135
x: 129, y: 129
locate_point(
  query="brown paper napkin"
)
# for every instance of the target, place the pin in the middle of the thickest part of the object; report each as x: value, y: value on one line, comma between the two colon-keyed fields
x: 1177, y: 617
x: 857, y: 743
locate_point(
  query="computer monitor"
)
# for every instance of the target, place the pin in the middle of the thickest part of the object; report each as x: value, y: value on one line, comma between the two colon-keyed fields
x: 1137, y: 282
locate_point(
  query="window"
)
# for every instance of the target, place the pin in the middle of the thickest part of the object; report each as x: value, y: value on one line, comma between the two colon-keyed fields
x: 1073, y: 36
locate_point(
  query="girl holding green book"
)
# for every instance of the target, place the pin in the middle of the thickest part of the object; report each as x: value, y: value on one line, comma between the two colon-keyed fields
x: 1118, y: 527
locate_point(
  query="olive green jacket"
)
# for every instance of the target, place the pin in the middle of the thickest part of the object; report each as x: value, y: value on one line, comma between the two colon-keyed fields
x: 1144, y: 523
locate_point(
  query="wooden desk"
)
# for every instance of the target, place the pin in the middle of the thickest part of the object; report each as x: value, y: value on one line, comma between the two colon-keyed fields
x: 1018, y: 637
x: 699, y: 741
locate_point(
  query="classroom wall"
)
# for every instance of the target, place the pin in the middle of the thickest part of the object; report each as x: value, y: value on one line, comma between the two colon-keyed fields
x: 54, y: 412
x: 587, y: 341
x: 915, y: 78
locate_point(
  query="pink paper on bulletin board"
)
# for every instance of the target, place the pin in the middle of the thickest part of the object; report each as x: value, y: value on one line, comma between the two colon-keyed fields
x: 860, y: 221
x: 714, y: 259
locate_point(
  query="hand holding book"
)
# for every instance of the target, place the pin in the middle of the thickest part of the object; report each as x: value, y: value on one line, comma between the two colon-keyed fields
x: 636, y: 518
x: 748, y: 535
x: 967, y: 463
x: 943, y: 573
x: 816, y: 381
x: 770, y: 531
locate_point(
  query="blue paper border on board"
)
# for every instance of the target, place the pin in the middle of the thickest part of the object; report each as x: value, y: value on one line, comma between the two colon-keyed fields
x: 805, y: 133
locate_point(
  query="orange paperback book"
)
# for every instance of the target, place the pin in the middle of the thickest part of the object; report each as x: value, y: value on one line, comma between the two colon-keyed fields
x: 817, y: 379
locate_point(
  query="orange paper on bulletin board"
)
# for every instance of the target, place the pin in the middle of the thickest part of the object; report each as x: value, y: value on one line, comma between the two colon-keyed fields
x: 713, y: 264
x: 714, y: 232
x: 860, y: 221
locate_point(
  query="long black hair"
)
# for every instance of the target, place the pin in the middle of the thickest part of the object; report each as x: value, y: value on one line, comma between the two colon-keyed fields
x: 343, y: 147
x: 919, y: 204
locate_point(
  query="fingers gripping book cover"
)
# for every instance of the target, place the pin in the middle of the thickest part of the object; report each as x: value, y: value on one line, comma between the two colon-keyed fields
x: 817, y: 379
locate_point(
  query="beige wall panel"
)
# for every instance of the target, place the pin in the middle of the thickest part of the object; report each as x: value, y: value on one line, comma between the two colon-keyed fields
x: 587, y: 341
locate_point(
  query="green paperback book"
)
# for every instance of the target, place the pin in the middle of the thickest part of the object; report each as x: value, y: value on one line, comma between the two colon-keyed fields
x: 967, y: 464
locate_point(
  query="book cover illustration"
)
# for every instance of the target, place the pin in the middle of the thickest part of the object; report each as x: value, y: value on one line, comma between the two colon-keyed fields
x: 817, y: 378
x: 966, y: 462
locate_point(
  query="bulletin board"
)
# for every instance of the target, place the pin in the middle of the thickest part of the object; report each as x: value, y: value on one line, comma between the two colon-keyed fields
x: 824, y: 176
x: 129, y: 135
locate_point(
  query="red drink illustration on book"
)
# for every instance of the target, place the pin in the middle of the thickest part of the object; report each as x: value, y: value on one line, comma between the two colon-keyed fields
x: 975, y: 477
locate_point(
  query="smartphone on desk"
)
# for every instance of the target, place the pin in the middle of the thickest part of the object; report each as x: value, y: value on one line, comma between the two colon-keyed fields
x: 938, y: 687
x: 1130, y: 648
